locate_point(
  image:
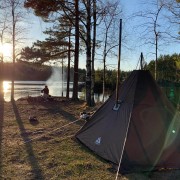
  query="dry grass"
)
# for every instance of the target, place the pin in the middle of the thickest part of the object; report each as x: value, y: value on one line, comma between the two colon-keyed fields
x: 45, y: 149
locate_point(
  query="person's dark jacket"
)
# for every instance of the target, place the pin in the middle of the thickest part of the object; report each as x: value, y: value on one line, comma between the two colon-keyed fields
x: 45, y: 90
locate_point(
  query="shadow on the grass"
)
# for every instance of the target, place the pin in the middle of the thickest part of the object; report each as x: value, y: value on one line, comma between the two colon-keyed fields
x: 37, y: 172
x: 54, y: 106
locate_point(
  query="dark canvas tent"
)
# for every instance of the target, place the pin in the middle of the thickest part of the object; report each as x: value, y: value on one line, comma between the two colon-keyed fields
x: 143, y: 134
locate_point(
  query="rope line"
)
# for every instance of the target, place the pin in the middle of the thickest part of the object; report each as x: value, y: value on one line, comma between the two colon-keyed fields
x: 117, y: 173
x: 30, y: 140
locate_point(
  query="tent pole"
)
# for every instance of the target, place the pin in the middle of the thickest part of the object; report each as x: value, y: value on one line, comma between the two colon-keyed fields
x: 142, y: 58
x: 119, y: 58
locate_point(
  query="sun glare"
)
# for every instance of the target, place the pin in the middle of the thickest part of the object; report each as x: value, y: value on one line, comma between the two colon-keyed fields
x: 6, y: 86
x: 6, y: 49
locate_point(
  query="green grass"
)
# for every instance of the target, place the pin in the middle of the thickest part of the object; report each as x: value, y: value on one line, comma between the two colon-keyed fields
x: 44, y: 150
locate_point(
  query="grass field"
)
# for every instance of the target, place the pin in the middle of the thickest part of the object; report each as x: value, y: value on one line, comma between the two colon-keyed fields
x: 46, y: 148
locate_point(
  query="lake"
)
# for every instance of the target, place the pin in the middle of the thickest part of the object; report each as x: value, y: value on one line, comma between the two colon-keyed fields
x: 33, y: 88
x: 56, y: 88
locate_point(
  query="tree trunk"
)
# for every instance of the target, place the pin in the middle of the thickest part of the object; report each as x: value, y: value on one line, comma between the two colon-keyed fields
x: 1, y: 72
x: 88, y: 55
x: 93, y: 53
x: 1, y: 80
x: 13, y: 42
x: 69, y: 61
x: 76, y: 57
x: 104, y: 64
x: 62, y: 70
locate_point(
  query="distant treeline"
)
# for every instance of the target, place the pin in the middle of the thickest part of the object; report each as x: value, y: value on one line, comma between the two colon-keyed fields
x: 25, y: 71
x: 110, y: 82
x: 168, y: 73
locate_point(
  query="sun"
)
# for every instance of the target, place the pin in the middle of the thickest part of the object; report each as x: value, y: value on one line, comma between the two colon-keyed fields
x: 6, y: 50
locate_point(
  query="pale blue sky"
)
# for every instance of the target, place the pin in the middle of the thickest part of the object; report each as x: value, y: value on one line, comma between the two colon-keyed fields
x: 131, y: 57
x: 131, y: 48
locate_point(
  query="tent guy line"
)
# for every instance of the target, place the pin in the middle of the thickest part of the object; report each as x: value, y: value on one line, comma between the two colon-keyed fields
x: 66, y: 125
x: 56, y: 129
x: 117, y: 173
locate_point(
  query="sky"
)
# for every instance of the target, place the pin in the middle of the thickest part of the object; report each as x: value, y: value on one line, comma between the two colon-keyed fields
x: 131, y: 48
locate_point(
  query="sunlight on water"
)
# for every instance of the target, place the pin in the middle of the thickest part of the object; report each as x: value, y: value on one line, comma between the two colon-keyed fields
x: 6, y: 86
x: 33, y: 88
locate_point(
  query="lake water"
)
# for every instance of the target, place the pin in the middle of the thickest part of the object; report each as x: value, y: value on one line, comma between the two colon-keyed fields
x: 56, y: 88
x: 33, y: 88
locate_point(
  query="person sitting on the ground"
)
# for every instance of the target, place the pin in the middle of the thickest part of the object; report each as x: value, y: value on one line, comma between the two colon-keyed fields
x: 45, y: 92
